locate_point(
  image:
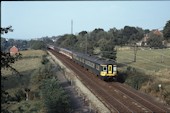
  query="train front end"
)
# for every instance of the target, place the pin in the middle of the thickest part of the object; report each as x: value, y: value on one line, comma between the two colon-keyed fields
x: 108, y: 71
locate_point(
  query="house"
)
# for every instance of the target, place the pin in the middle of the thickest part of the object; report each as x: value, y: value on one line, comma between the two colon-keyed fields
x: 157, y: 32
x: 13, y: 50
x: 143, y: 42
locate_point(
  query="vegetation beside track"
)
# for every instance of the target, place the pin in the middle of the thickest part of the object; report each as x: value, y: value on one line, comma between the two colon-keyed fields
x: 150, y: 70
x: 29, y: 92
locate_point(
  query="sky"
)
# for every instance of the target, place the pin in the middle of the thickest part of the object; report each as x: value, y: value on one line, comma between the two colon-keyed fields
x: 36, y: 19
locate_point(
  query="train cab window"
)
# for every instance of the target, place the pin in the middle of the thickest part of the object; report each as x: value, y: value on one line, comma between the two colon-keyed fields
x: 104, y: 68
x: 114, y: 68
x: 110, y: 68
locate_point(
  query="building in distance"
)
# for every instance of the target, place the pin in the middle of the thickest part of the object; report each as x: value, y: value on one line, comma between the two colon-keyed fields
x: 13, y: 50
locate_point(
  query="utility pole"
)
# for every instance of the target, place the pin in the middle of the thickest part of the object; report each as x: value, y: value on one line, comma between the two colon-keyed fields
x: 86, y: 44
x: 71, y: 26
x: 135, y: 51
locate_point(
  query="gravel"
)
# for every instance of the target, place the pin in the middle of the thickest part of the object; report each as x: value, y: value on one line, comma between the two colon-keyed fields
x: 82, y: 99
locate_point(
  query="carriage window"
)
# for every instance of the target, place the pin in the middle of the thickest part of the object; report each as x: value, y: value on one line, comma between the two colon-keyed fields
x: 97, y: 67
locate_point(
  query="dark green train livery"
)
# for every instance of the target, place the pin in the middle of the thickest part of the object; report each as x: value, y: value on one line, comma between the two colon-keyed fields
x: 105, y: 69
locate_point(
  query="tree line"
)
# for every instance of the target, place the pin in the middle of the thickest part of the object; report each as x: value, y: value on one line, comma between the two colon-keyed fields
x: 104, y: 41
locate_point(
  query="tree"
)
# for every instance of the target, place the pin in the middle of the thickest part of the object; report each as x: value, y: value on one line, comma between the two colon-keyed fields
x: 135, y: 51
x: 6, y: 58
x: 108, y: 49
x: 97, y: 30
x: 83, y: 33
x: 4, y: 44
x: 54, y: 97
x: 6, y: 61
x: 155, y: 41
x: 37, y: 44
x: 6, y: 30
x: 67, y: 41
x: 128, y: 33
x: 166, y: 31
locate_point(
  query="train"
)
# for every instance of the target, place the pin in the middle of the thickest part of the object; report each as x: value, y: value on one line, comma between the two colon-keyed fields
x: 104, y: 69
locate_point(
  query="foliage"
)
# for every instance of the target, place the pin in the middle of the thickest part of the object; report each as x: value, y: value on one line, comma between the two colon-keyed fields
x: 6, y: 61
x: 46, y: 71
x: 44, y: 59
x: 82, y: 33
x: 27, y: 107
x: 167, y: 97
x: 6, y: 44
x: 107, y: 49
x: 47, y: 40
x: 6, y: 30
x: 155, y: 40
x: 55, y: 98
x: 20, y: 95
x: 86, y: 42
x: 135, y: 78
x: 37, y: 44
x: 6, y: 58
x: 67, y: 41
x: 166, y: 31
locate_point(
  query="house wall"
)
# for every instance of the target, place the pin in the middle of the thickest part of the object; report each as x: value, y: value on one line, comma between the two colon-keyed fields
x: 13, y: 50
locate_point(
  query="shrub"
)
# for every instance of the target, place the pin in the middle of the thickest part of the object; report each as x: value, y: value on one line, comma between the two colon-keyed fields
x: 55, y: 98
x: 20, y: 95
x: 135, y: 78
x: 167, y: 97
x: 44, y: 59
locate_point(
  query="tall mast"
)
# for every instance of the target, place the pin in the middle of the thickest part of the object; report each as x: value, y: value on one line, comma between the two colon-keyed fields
x: 71, y: 26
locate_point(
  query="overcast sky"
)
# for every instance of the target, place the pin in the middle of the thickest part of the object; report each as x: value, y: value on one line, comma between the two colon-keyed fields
x: 36, y: 19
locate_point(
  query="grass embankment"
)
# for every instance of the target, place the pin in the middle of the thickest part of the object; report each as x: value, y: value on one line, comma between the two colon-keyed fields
x: 152, y: 67
x: 15, y: 85
x: 26, y: 94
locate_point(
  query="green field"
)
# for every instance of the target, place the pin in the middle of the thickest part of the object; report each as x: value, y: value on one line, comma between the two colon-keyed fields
x: 155, y: 62
x: 147, y: 60
x: 33, y: 61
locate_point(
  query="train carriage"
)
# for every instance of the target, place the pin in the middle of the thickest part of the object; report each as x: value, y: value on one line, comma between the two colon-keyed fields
x: 66, y: 52
x: 103, y: 68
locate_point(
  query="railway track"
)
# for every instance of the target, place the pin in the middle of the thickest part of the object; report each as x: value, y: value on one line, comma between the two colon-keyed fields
x: 141, y: 98
x: 114, y: 95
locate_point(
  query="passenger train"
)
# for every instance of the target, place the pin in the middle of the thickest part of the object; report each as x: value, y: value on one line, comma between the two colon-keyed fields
x: 105, y: 69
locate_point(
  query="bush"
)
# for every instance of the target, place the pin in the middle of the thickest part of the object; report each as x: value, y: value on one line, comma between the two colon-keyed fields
x: 122, y: 76
x: 44, y: 59
x: 136, y: 79
x: 55, y: 98
x: 167, y: 97
x: 20, y: 95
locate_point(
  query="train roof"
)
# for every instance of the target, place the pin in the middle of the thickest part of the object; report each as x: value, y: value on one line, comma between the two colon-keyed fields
x: 91, y: 58
x: 66, y: 50
x: 94, y: 58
